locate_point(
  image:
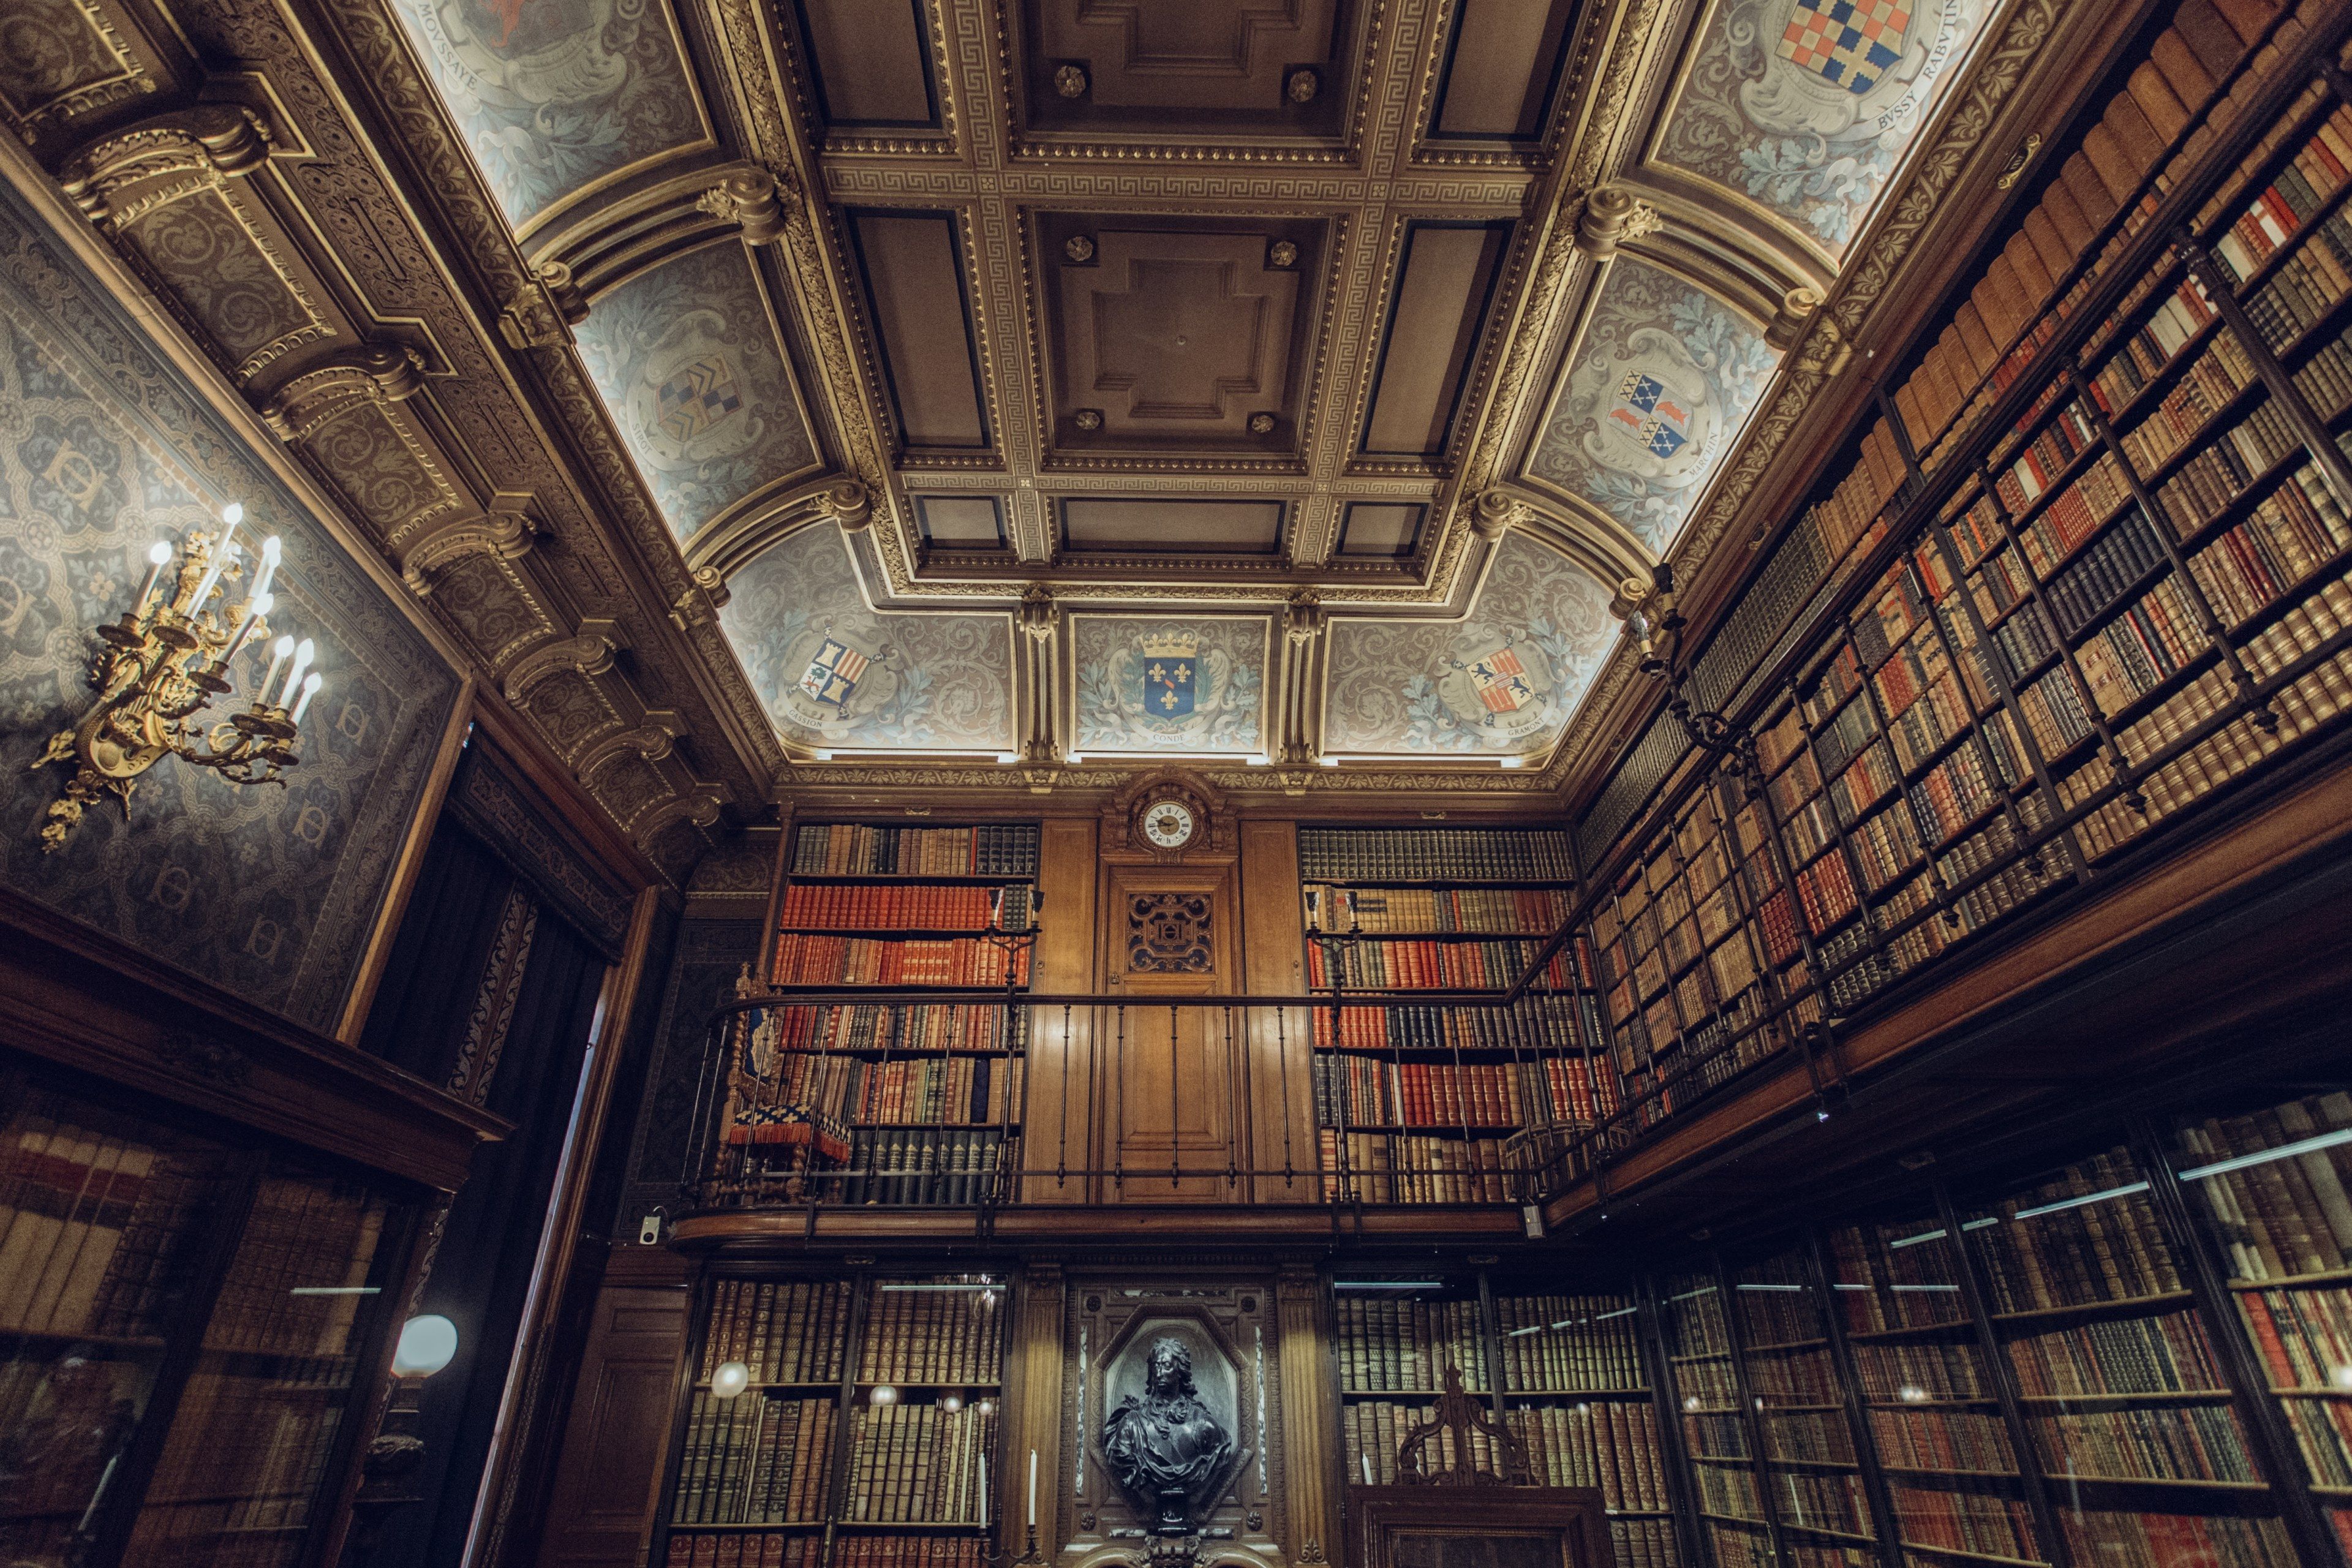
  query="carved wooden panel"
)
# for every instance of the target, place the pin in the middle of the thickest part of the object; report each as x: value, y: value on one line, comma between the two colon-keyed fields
x: 610, y: 1470
x: 1268, y: 66
x: 1169, y: 933
x: 1174, y: 1112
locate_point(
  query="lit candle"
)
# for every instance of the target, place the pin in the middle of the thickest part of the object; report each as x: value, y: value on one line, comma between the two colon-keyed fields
x: 302, y: 654
x: 984, y: 1491
x: 1032, y: 1488
x: 254, y: 608
x: 310, y: 690
x: 1367, y: 1459
x: 231, y: 515
x: 158, y: 555
x: 270, y: 549
x: 278, y: 652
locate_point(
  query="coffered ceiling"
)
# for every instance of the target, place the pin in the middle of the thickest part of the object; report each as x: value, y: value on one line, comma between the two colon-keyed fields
x: 1017, y: 383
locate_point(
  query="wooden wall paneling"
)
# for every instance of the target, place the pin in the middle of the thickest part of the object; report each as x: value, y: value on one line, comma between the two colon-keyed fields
x: 609, y: 1470
x: 1033, y: 1415
x: 1057, y: 1055
x: 1281, y: 1046
x: 1173, y: 1098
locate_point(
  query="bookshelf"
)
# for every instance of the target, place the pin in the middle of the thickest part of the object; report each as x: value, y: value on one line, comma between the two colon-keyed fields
x: 1574, y: 1389
x: 2082, y: 571
x: 185, y: 1325
x: 1719, y: 1427
x: 1821, y: 1482
x: 2124, y: 1401
x: 1418, y: 1104
x: 865, y: 1435
x: 2268, y: 1187
x: 898, y: 1102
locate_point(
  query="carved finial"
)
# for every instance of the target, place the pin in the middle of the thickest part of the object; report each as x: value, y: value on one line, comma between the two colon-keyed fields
x: 1613, y: 217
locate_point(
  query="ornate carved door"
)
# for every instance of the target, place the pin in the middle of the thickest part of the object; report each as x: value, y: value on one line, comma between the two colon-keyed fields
x: 1171, y: 1106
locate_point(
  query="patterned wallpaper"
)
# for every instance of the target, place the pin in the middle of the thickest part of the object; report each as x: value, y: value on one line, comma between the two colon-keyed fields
x: 834, y: 672
x: 1183, y: 683
x: 1806, y: 106
x: 551, y: 97
x: 1502, y: 682
x: 1664, y: 378
x: 104, y: 450
x: 691, y: 364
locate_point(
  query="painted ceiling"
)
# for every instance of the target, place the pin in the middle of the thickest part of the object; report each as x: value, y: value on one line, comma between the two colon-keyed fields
x: 1196, y: 317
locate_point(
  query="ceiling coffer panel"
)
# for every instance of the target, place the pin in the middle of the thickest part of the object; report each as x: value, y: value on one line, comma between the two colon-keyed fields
x: 910, y: 272
x: 961, y: 523
x: 1131, y: 527
x: 1379, y: 530
x: 1445, y: 283
x: 869, y: 64
x: 1229, y: 68
x: 1178, y: 337
x: 1502, y: 71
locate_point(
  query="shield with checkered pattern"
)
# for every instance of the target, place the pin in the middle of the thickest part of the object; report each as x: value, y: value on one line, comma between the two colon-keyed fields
x: 1851, y: 43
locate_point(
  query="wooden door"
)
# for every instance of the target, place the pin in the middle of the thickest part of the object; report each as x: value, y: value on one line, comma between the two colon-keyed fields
x: 1171, y: 1111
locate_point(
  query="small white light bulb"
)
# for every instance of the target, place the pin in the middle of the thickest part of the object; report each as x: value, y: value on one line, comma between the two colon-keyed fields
x: 303, y: 652
x: 158, y: 553
x: 731, y: 1379
x: 883, y: 1394
x: 427, y: 1344
x: 311, y: 685
x: 279, y: 651
x: 950, y: 1402
x: 232, y: 514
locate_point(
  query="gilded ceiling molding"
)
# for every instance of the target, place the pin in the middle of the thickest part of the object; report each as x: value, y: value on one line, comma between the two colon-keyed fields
x: 725, y: 546
x: 505, y: 535
x: 616, y: 241
x: 588, y: 651
x: 1725, y: 256
x: 79, y: 31
x: 1578, y: 530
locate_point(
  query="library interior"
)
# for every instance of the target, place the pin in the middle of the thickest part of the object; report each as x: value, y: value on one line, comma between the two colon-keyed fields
x: 1649, y: 866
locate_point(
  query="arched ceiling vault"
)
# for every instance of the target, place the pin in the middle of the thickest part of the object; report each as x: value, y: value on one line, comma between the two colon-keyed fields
x: 1346, y: 353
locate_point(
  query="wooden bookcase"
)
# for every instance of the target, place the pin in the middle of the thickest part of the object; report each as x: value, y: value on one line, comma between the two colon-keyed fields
x: 1417, y: 1104
x: 896, y: 1102
x: 2087, y: 569
x: 866, y: 1434
x: 1575, y: 1388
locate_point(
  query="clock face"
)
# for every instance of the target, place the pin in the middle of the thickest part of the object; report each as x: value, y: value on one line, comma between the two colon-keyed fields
x: 1168, y: 823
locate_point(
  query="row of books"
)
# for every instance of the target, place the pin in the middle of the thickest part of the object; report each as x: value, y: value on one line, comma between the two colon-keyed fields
x: 2304, y: 1337
x: 753, y: 1459
x: 1407, y: 1346
x: 2195, y: 1442
x: 1804, y: 1437
x: 1406, y: 1168
x: 1401, y: 964
x: 783, y: 1330
x: 931, y: 1333
x: 1532, y: 1024
x: 1503, y: 911
x: 2222, y: 469
x: 2210, y: 384
x: 1905, y: 1372
x: 2281, y: 1216
x: 2325, y: 378
x: 2163, y: 1539
x: 2306, y: 285
x: 1366, y: 1091
x: 911, y: 1091
x: 1982, y: 1524
x: 1821, y: 1500
x: 1570, y: 1345
x: 2106, y: 1247
x: 861, y: 961
x: 920, y: 1463
x: 2296, y: 193
x: 1942, y: 1440
x: 855, y: 850
x: 2322, y: 1433
x: 1610, y: 1445
x: 2145, y: 352
x: 920, y: 1166
x: 1644, y: 1543
x: 916, y: 906
x: 920, y: 1026
x: 747, y: 1550
x: 2165, y: 1352
x: 90, y: 1231
x: 2293, y: 531
x: 911, y: 1552
x: 1353, y: 854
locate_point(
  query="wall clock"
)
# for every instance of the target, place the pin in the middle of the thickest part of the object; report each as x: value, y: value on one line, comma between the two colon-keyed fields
x: 1168, y: 824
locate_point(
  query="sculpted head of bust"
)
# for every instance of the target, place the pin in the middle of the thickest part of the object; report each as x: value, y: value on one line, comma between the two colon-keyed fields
x: 1166, y: 1448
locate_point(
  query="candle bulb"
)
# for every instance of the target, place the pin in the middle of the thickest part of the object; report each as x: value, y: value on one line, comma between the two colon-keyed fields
x: 310, y: 690
x: 271, y: 551
x: 254, y: 608
x: 158, y: 555
x: 1032, y: 1488
x: 302, y: 652
x: 278, y: 652
x: 223, y: 548
x: 984, y: 1491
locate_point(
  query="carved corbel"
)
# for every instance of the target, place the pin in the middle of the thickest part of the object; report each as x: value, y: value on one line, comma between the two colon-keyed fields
x: 587, y: 652
x: 754, y: 199
x: 700, y: 807
x: 377, y: 372
x: 1826, y: 350
x: 505, y: 534
x: 1613, y: 217
x: 847, y: 502
x: 119, y: 177
x: 1798, y: 308
x: 697, y: 602
x: 1038, y: 621
x: 543, y: 311
x: 1304, y: 623
x: 652, y: 740
x: 1496, y: 512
